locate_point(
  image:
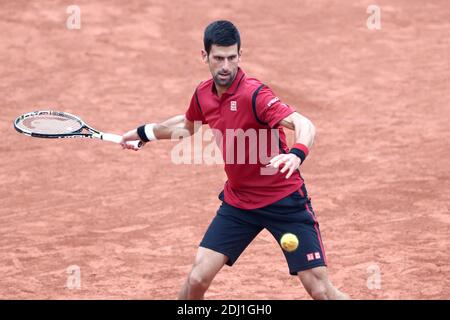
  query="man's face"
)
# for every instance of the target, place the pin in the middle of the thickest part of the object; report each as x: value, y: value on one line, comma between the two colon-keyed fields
x: 223, y: 63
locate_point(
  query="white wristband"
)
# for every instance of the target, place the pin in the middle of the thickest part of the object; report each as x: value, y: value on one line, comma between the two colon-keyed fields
x: 149, y: 131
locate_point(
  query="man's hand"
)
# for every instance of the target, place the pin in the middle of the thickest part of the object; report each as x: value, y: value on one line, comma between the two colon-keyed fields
x: 130, y: 136
x: 289, y: 161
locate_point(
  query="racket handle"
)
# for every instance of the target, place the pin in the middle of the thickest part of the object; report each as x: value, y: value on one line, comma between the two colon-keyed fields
x: 117, y: 139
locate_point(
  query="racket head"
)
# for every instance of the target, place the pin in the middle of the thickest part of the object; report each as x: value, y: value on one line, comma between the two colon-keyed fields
x: 48, y: 124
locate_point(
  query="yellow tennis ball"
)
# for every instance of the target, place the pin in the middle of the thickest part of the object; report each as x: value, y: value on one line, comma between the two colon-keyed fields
x: 289, y: 242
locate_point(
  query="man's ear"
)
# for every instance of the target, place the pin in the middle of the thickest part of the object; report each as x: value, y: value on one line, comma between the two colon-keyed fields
x: 204, y: 56
x: 240, y: 54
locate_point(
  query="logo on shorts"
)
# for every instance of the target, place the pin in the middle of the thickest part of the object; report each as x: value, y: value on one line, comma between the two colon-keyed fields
x: 233, y: 106
x: 313, y: 256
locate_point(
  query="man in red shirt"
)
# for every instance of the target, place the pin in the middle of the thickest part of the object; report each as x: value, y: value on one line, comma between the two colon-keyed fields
x: 264, y: 189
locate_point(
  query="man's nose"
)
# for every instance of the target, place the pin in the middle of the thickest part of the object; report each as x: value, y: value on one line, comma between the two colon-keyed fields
x: 226, y: 65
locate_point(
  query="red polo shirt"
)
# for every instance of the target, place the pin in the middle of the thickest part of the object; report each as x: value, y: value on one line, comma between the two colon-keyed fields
x: 253, y: 108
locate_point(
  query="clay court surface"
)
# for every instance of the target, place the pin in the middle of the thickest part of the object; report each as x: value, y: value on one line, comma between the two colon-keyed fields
x: 378, y: 173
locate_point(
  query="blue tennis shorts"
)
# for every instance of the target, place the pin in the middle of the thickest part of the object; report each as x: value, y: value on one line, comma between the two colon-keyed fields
x: 232, y: 230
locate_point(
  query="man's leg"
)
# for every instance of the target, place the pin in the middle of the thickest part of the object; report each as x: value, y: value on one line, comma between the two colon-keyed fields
x: 318, y: 285
x: 206, y: 265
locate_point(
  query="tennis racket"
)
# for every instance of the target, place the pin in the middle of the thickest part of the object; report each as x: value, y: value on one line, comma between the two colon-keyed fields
x: 57, y: 124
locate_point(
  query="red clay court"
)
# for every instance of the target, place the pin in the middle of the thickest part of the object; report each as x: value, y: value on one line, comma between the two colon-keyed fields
x: 378, y: 173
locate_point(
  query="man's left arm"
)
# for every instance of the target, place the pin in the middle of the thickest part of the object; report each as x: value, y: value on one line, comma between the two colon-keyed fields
x: 304, y: 138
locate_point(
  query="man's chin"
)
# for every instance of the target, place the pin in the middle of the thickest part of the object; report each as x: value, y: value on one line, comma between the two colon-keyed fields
x: 223, y: 82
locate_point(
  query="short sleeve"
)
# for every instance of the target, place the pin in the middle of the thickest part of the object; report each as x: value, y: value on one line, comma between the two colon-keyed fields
x: 194, y: 112
x: 269, y: 108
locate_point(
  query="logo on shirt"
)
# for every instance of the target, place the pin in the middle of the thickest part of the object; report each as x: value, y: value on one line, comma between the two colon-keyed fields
x: 233, y: 106
x: 271, y: 102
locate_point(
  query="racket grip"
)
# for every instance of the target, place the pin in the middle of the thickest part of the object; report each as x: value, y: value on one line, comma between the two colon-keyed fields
x: 117, y: 139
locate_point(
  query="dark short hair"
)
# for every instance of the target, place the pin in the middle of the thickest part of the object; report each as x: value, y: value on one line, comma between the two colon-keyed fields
x: 221, y: 33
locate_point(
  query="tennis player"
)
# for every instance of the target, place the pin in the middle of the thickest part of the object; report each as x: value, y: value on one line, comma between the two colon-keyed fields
x: 257, y: 194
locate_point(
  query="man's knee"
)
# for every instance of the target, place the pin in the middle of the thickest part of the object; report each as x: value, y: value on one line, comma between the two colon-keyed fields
x: 198, y: 280
x: 319, y: 291
x: 207, y: 264
x: 316, y: 283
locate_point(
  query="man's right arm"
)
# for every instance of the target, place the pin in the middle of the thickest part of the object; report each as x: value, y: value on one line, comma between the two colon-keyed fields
x: 177, y: 127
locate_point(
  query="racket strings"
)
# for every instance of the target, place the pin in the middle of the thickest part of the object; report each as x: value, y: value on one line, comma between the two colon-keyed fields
x: 50, y: 124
